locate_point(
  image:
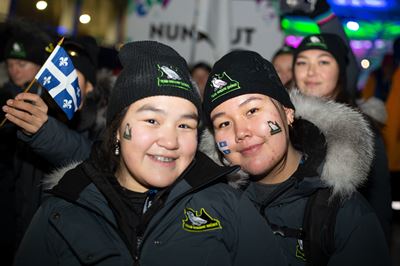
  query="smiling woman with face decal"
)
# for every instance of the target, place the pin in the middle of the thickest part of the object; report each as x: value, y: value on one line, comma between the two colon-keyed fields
x: 146, y: 196
x: 291, y: 148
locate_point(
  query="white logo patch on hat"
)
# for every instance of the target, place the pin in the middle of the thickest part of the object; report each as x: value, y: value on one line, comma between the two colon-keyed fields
x: 222, y: 85
x: 217, y: 83
x: 170, y: 73
x: 170, y: 78
x: 16, y: 47
x: 314, y: 39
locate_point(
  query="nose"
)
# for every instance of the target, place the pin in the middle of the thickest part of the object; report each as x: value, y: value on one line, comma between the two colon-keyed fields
x: 168, y: 139
x: 242, y: 131
x: 311, y: 70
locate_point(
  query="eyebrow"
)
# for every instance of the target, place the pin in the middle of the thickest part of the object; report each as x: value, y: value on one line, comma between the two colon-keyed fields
x: 252, y: 98
x: 148, y: 107
x: 324, y: 53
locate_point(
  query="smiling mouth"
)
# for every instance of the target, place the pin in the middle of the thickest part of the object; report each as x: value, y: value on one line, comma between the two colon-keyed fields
x: 248, y: 151
x: 163, y: 159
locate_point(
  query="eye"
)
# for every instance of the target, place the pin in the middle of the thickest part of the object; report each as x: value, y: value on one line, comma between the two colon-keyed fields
x: 252, y: 111
x: 151, y: 121
x: 223, y: 124
x: 300, y: 63
x: 324, y: 62
x: 187, y: 126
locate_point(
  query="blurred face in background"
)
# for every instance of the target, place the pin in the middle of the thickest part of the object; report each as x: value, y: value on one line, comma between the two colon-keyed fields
x: 283, y: 66
x: 21, y: 71
x: 316, y: 73
x: 200, y: 75
x: 85, y: 86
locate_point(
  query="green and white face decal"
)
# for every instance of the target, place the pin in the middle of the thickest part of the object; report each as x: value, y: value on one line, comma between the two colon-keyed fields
x: 199, y: 221
x: 222, y: 85
x: 169, y: 77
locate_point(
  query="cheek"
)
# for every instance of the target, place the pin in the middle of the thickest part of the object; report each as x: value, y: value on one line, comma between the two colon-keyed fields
x: 136, y: 139
x: 188, y: 144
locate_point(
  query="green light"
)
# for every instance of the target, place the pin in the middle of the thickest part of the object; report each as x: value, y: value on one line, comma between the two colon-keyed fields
x: 368, y: 30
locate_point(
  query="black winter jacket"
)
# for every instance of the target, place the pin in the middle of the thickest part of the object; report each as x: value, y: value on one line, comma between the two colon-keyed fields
x: 200, y: 221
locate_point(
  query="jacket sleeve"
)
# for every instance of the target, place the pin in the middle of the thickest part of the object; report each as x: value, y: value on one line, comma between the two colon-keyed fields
x: 57, y: 143
x: 378, y: 189
x: 359, y: 239
x: 256, y: 245
x: 36, y: 247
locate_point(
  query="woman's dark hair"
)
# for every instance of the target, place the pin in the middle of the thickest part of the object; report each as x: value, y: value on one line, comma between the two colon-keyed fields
x: 105, y: 154
x: 201, y: 65
x: 285, y: 49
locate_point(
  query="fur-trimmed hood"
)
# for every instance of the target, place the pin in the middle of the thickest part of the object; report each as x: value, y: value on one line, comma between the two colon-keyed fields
x: 349, y: 140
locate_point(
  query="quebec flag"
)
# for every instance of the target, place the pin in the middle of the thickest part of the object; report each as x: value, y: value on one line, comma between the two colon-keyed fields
x: 58, y: 76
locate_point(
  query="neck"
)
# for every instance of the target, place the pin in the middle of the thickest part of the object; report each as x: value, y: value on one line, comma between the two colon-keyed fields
x: 285, y: 169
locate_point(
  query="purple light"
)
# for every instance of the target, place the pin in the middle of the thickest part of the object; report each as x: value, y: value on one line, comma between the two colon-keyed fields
x: 367, y: 44
x: 356, y: 44
x: 61, y: 30
x: 293, y: 41
x: 379, y: 44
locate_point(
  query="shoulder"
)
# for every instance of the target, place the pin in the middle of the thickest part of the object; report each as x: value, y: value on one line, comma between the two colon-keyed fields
x: 355, y: 214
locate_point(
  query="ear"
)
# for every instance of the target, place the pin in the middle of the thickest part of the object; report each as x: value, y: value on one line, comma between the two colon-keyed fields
x: 117, y: 135
x: 289, y: 115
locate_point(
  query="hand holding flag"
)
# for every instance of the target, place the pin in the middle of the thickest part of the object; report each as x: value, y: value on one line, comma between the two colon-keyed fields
x: 58, y: 76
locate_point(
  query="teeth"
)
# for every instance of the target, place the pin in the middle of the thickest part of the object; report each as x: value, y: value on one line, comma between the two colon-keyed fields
x: 163, y: 159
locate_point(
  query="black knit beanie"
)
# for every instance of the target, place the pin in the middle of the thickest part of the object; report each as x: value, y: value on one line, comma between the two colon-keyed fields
x: 242, y: 72
x: 26, y: 48
x: 150, y: 69
x: 84, y: 52
x: 328, y: 42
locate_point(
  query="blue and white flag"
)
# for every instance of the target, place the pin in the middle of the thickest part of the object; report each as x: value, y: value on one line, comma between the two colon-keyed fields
x: 58, y: 76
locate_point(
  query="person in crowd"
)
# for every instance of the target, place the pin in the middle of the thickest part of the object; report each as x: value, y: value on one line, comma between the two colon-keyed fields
x: 283, y: 62
x: 319, y: 70
x: 384, y: 83
x: 24, y: 52
x: 328, y: 22
x: 290, y: 149
x: 199, y: 73
x: 145, y: 196
x: 44, y: 132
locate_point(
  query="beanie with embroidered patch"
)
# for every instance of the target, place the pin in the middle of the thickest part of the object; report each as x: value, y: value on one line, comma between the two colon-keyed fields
x: 26, y: 48
x: 84, y: 53
x: 328, y: 42
x: 150, y: 69
x: 242, y: 72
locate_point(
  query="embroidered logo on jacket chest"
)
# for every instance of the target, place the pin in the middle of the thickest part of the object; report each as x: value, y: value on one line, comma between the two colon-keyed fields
x: 199, y: 221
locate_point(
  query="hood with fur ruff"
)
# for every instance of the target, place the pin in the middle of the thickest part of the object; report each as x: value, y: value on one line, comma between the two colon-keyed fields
x: 349, y: 140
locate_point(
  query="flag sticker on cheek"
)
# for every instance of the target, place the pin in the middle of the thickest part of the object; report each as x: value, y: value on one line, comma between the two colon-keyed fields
x: 223, y: 147
x: 274, y: 127
x: 127, y: 132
